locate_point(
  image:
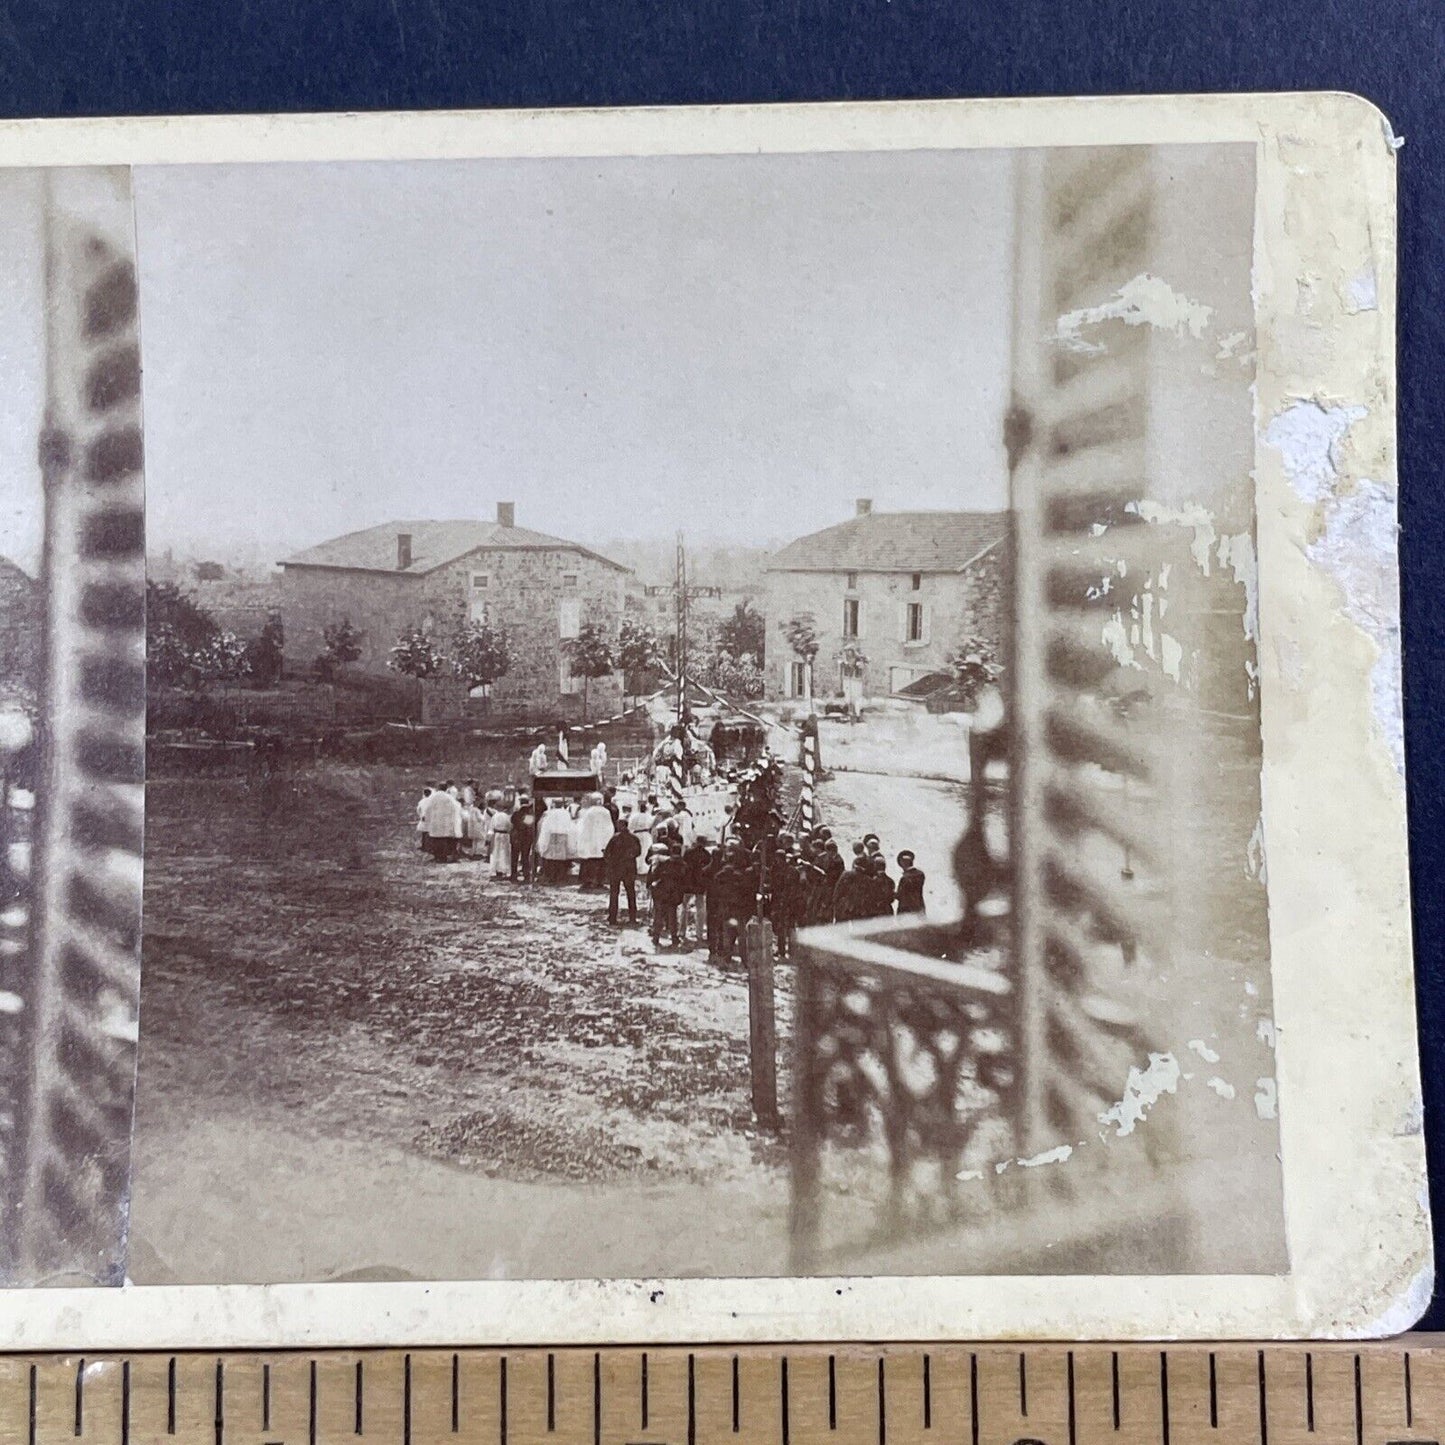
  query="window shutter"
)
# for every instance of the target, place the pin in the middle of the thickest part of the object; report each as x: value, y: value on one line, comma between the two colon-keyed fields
x: 926, y: 635
x: 903, y: 622
x: 1082, y: 229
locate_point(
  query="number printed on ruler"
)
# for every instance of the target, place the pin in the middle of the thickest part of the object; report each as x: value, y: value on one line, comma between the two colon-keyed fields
x: 1385, y: 1394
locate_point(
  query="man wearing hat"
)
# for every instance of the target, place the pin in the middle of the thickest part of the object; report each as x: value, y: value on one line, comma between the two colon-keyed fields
x: 910, y: 885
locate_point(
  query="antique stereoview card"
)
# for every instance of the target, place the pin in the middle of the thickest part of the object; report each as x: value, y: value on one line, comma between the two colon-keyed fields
x: 723, y: 724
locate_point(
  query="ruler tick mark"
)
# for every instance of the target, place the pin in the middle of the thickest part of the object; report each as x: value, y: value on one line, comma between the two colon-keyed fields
x: 80, y: 1397
x: 1309, y: 1391
x: 1409, y: 1394
x: 783, y: 1392
x: 737, y: 1397
x: 1073, y: 1419
x: 1164, y: 1396
x: 1263, y: 1403
x: 973, y: 1395
x: 34, y: 1392
x: 171, y: 1396
x: 358, y: 1423
x: 220, y: 1401
x: 1114, y: 1374
x: 125, y: 1402
x: 265, y: 1397
x: 832, y: 1392
x: 457, y: 1394
x: 551, y: 1391
x: 692, y: 1401
x: 644, y: 1389
x: 596, y: 1398
x: 1213, y: 1395
x: 882, y: 1404
x: 502, y: 1400
x: 927, y: 1393
x: 405, y: 1400
x: 1023, y: 1386
x: 1359, y: 1406
x: 310, y: 1404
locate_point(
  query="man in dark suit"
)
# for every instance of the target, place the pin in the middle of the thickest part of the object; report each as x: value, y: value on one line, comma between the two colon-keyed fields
x: 619, y: 863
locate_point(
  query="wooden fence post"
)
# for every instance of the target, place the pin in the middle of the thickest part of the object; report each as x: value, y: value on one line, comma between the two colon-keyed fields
x: 762, y: 1021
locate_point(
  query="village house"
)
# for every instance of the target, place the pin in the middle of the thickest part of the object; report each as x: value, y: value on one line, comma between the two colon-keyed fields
x: 541, y: 590
x: 902, y: 589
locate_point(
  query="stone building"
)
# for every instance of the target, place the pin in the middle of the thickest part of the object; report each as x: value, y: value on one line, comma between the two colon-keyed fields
x: 904, y: 589
x: 389, y: 579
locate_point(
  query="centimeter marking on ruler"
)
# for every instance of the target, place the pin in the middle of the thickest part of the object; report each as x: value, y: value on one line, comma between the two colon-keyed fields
x: 1376, y: 1394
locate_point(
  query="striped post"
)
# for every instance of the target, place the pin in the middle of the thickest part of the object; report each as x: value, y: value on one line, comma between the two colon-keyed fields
x: 807, y: 811
x: 674, y: 774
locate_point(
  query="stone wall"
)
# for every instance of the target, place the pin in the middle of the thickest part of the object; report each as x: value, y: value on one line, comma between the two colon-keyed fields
x: 955, y: 606
x: 525, y: 593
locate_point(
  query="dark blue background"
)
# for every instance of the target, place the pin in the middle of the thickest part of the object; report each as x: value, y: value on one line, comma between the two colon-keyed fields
x: 99, y: 57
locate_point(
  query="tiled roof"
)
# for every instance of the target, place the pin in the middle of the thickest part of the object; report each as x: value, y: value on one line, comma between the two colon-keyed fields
x: 894, y: 542
x: 433, y: 544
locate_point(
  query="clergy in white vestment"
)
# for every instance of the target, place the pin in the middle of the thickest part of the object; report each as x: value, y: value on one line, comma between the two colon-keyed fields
x: 555, y: 844
x: 443, y: 819
x: 594, y: 830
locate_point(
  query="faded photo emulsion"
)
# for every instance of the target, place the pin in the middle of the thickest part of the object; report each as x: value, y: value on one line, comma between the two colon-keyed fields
x: 702, y: 719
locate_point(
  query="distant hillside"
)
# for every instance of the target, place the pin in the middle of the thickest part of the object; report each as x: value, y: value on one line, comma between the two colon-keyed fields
x: 735, y: 569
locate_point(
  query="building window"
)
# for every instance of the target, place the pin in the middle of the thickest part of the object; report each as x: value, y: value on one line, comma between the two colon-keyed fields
x: 569, y: 579
x: 480, y: 611
x: 796, y: 679
x: 569, y: 683
x: 917, y: 581
x: 480, y: 581
x: 913, y: 624
x: 852, y: 581
x: 850, y: 617
x: 569, y: 617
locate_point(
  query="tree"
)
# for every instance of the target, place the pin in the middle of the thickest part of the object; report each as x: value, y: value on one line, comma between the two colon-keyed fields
x: 265, y: 652
x: 414, y: 654
x: 974, y: 664
x: 802, y: 634
x: 735, y: 677
x: 852, y: 663
x: 178, y: 630
x: 744, y: 634
x: 480, y: 655
x: 341, y: 644
x: 591, y: 656
x: 638, y: 652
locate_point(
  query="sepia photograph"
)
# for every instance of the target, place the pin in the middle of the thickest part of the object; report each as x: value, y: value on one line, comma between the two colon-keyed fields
x: 671, y: 714
x: 591, y: 694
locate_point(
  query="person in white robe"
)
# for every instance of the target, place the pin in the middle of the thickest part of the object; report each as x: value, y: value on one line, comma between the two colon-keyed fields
x: 422, y: 833
x: 594, y: 830
x: 564, y: 752
x: 537, y: 763
x: 641, y: 822
x: 554, y: 840
x: 501, y: 843
x: 599, y: 759
x: 443, y: 818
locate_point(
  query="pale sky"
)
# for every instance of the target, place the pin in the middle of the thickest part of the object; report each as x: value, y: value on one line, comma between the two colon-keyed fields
x: 738, y: 346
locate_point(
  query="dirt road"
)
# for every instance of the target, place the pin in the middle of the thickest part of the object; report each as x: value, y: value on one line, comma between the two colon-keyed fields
x: 329, y: 1017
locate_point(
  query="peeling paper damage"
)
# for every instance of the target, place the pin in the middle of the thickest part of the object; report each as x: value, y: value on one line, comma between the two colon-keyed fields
x: 1357, y: 542
x: 1148, y: 300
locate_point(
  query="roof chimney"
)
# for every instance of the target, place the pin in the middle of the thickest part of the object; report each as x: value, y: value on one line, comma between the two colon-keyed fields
x: 403, y: 551
x: 506, y: 514
x: 865, y: 506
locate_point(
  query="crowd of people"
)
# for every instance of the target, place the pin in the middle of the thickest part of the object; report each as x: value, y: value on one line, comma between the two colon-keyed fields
x: 699, y: 890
